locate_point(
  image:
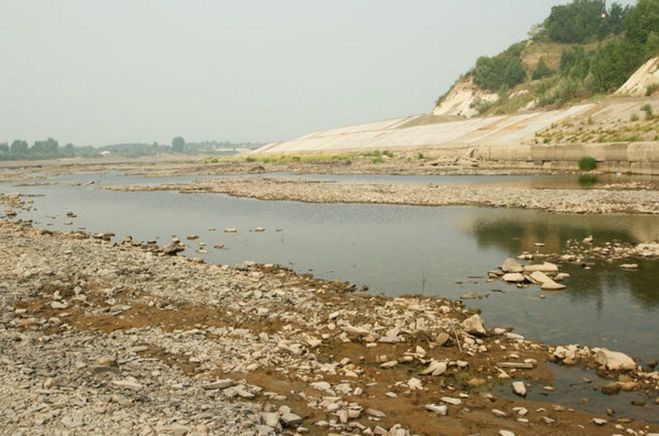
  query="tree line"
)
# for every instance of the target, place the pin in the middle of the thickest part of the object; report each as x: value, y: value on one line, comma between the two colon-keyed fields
x: 50, y: 149
x: 625, y: 38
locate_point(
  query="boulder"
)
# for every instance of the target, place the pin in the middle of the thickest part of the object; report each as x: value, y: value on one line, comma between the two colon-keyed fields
x: 614, y: 360
x: 514, y: 278
x: 519, y: 388
x: 544, y: 267
x: 510, y: 265
x: 474, y: 325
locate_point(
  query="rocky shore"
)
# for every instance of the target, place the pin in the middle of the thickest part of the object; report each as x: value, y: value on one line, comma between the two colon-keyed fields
x: 120, y: 337
x: 591, y: 201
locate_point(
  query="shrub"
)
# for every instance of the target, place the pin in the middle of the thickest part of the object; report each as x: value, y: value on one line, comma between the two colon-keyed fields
x: 648, y: 112
x: 542, y: 70
x: 250, y: 159
x: 650, y: 90
x: 633, y: 118
x: 587, y: 163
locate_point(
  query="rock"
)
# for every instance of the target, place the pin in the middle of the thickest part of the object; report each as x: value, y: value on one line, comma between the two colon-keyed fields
x: 58, y: 305
x: 513, y: 278
x: 519, y: 388
x: 375, y: 413
x: 499, y: 413
x: 440, y: 410
x: 545, y: 281
x: 231, y: 230
x: 511, y: 266
x: 506, y: 433
x: 192, y: 237
x: 290, y: 420
x: 474, y: 325
x: 452, y: 401
x: 129, y: 383
x: 435, y: 368
x: 561, y: 276
x: 629, y: 266
x: 415, y: 384
x: 614, y: 360
x: 599, y: 421
x: 259, y: 229
x: 442, y: 339
x: 610, y: 389
x: 219, y: 384
x: 544, y: 267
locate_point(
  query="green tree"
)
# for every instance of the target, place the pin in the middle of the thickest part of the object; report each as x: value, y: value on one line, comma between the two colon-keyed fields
x: 48, y: 149
x: 575, y: 22
x: 19, y: 148
x: 68, y: 150
x: 613, y: 63
x: 642, y: 21
x: 178, y: 144
x: 542, y: 70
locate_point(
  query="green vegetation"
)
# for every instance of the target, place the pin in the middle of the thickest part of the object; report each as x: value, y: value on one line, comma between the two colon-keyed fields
x: 649, y: 115
x: 652, y: 89
x: 580, y: 51
x: 587, y: 163
x: 633, y: 117
x: 501, y: 71
x: 178, y: 144
x: 542, y: 70
x: 581, y: 21
x: 50, y: 149
x: 587, y: 180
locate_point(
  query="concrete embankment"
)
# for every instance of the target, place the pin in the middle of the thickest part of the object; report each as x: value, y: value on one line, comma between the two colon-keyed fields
x: 544, y: 140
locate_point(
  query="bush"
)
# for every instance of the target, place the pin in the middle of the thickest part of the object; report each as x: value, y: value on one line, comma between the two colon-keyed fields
x: 542, y: 70
x: 650, y: 90
x: 613, y: 63
x: 587, y: 163
x: 648, y: 112
x: 633, y: 118
x: 504, y: 70
x: 250, y: 159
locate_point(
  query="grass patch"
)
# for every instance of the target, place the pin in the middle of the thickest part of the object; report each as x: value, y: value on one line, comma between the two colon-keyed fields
x: 587, y: 163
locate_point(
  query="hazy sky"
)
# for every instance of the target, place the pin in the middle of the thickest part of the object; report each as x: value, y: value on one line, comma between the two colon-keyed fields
x: 100, y: 72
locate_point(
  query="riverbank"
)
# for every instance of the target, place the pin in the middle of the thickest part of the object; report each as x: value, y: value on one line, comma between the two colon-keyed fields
x: 155, y: 343
x: 591, y: 201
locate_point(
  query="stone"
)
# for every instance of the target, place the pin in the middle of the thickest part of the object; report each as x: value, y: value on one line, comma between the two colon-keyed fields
x: 499, y: 413
x: 192, y: 237
x: 474, y: 325
x: 435, y: 368
x: 513, y: 278
x: 510, y: 265
x: 375, y: 413
x: 290, y: 419
x: 219, y: 384
x: 415, y: 384
x: 231, y: 230
x: 440, y: 410
x: 599, y: 421
x: 506, y: 433
x: 546, y: 267
x: 629, y: 266
x: 519, y: 388
x: 59, y: 305
x: 614, y: 360
x: 442, y: 339
x: 545, y: 281
x: 452, y: 401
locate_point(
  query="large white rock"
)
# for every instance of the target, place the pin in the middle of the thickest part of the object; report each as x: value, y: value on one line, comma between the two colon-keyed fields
x: 519, y: 388
x: 542, y: 267
x: 510, y: 265
x: 513, y: 278
x: 474, y: 325
x: 613, y: 360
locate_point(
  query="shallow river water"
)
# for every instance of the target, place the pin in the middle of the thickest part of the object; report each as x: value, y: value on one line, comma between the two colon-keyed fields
x: 393, y: 250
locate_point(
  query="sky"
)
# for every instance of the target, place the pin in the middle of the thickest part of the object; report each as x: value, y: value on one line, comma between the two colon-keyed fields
x: 94, y: 72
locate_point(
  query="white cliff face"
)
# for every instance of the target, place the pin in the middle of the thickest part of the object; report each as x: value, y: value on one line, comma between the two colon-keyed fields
x: 463, y: 98
x: 642, y: 79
